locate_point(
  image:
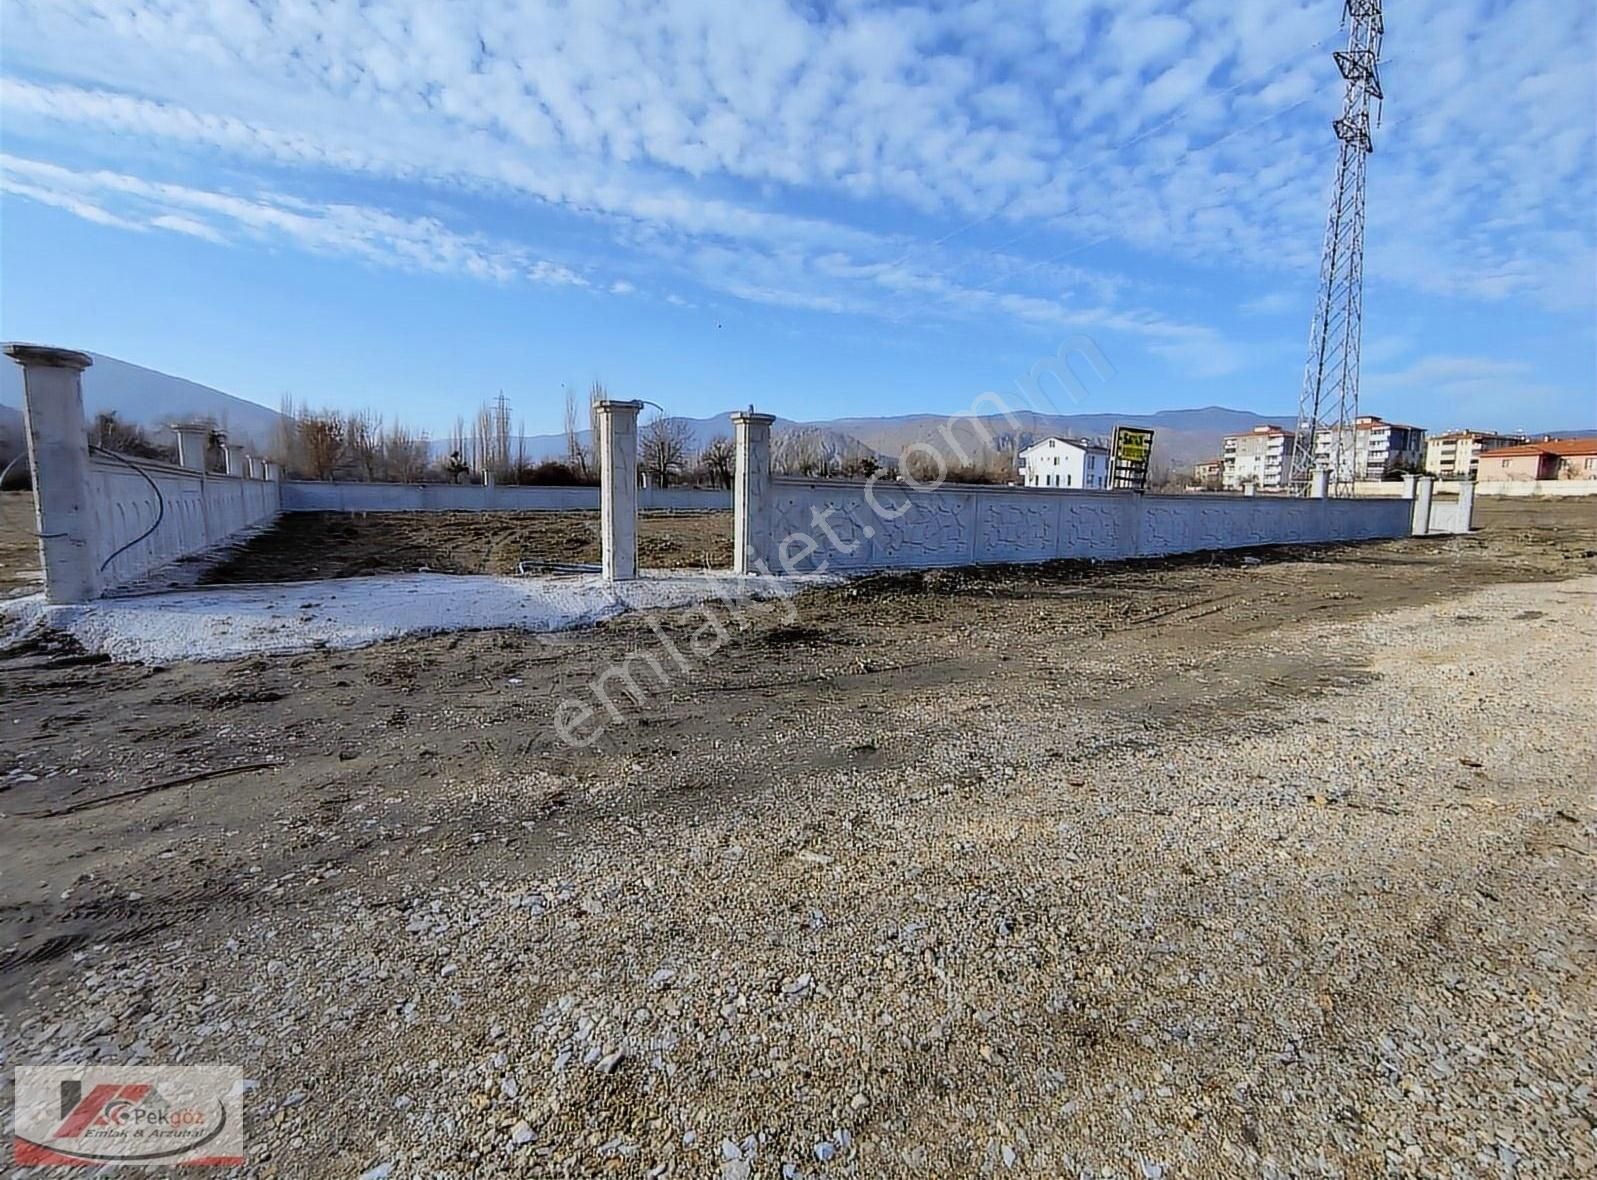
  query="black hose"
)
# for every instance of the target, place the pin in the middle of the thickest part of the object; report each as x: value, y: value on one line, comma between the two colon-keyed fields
x: 160, y: 504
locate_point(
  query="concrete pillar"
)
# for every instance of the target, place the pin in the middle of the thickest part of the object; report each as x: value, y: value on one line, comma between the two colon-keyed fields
x: 255, y: 467
x: 1250, y: 489
x: 58, y: 453
x: 1466, y: 506
x: 618, y: 488
x: 191, y: 440
x: 1423, y: 487
x: 1409, y: 490
x: 751, y: 491
x: 233, y: 454
x: 1319, y: 483
x: 274, y: 471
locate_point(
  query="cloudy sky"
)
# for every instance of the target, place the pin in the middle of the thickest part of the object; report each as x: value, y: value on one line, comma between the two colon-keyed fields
x: 822, y: 209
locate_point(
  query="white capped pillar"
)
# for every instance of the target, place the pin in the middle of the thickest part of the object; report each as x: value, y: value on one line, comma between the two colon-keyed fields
x: 1424, y: 485
x: 192, y: 438
x: 274, y: 471
x: 58, y: 452
x: 1466, y: 506
x: 255, y: 466
x: 233, y: 455
x: 1319, y: 483
x: 618, y: 488
x: 751, y: 491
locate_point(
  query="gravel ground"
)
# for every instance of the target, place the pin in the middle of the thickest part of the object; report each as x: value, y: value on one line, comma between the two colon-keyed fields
x: 1343, y: 928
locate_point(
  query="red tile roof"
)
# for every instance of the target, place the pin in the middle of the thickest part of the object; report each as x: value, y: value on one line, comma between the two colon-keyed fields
x: 1563, y: 447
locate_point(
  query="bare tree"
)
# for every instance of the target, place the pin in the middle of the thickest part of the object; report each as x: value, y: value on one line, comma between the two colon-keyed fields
x: 363, y: 441
x: 112, y: 434
x: 664, y: 447
x: 719, y: 459
x: 404, y: 454
x: 576, y: 453
x: 321, y: 439
x: 799, y: 452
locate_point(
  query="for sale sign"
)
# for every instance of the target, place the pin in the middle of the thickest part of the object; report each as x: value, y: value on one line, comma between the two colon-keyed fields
x: 1129, y: 453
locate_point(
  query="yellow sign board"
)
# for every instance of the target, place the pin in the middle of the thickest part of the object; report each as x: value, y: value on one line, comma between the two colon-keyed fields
x: 1132, y: 445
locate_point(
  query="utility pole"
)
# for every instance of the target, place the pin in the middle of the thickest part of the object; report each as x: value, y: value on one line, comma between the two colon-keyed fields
x: 1329, y: 404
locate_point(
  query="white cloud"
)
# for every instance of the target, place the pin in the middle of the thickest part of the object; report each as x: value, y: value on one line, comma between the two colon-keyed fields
x: 773, y: 157
x: 373, y: 235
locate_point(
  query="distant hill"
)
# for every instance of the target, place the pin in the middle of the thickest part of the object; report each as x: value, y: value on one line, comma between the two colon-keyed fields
x: 153, y: 400
x: 1181, y: 437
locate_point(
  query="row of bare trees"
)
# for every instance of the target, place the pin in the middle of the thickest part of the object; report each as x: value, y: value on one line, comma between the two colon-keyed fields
x: 324, y: 444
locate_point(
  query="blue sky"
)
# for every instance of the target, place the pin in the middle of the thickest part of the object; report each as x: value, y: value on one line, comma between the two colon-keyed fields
x: 824, y: 210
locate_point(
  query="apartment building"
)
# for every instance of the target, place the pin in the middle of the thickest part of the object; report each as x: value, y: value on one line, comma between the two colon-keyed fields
x: 1209, y: 474
x: 1373, y: 449
x: 1065, y: 463
x: 1259, y: 457
x: 1457, y: 454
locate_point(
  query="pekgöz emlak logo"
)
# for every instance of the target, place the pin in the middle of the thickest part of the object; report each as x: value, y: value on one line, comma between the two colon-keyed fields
x: 154, y: 1116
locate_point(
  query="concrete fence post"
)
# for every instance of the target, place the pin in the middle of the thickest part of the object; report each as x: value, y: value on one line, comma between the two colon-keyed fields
x: 192, y: 438
x: 233, y: 455
x: 751, y: 491
x: 1409, y: 489
x: 58, y: 453
x: 618, y: 488
x: 1319, y: 483
x: 255, y: 467
x: 1423, y: 487
x: 274, y: 471
x: 1250, y: 489
x: 1466, y: 506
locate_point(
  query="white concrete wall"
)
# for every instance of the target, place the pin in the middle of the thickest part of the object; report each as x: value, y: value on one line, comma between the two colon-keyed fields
x: 309, y: 496
x: 855, y: 526
x: 1489, y: 487
x: 201, y: 512
x: 1536, y: 487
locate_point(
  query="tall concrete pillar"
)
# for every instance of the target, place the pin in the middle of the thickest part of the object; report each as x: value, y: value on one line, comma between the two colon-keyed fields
x: 1409, y: 486
x: 274, y: 471
x: 1250, y: 489
x: 192, y: 438
x: 1319, y: 483
x: 58, y: 452
x: 1466, y: 506
x: 255, y: 467
x: 618, y: 488
x: 751, y: 491
x: 233, y: 454
x: 1423, y: 487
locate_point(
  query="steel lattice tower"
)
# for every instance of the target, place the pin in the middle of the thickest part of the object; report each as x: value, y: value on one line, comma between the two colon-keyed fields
x: 1329, y: 403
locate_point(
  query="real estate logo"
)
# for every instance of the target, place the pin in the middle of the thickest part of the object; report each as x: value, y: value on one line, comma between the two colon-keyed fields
x: 142, y: 1115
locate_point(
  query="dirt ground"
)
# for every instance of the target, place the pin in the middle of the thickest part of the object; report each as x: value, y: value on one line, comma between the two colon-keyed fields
x: 156, y: 819
x: 19, y: 549
x: 342, y: 545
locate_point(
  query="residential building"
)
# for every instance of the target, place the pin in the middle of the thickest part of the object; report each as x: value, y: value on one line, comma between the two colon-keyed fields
x: 1065, y: 463
x: 1209, y: 474
x: 1457, y: 454
x: 1376, y: 449
x: 1260, y: 457
x: 1553, y: 458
